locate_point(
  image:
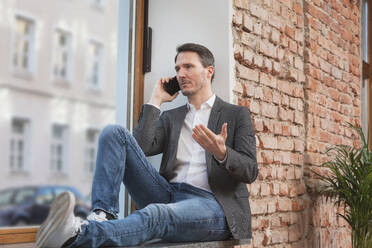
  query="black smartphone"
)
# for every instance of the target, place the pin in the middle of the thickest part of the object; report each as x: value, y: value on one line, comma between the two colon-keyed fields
x: 172, y: 87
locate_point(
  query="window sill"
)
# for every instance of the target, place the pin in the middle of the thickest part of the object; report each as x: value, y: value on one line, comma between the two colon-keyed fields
x: 16, y: 235
x: 23, y: 74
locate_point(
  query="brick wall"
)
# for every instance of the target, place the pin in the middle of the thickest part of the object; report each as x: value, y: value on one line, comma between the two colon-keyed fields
x: 298, y: 71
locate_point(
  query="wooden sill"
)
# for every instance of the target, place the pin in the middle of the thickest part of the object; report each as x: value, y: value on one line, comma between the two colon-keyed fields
x: 14, y: 235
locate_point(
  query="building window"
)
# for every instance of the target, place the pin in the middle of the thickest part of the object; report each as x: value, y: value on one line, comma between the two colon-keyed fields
x: 62, y: 55
x: 95, y: 64
x: 91, y: 149
x: 23, y: 44
x: 58, y: 149
x: 19, y: 143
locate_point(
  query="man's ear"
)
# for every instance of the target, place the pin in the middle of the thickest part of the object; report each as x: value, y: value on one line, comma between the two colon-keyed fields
x: 210, y: 71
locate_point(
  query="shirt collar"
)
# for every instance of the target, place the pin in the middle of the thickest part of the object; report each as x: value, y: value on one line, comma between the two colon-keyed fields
x: 209, y: 103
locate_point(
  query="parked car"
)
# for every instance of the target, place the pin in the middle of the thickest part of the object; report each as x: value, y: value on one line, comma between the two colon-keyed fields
x: 30, y: 205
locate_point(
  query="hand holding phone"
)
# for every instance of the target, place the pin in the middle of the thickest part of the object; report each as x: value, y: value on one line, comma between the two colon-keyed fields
x: 172, y: 87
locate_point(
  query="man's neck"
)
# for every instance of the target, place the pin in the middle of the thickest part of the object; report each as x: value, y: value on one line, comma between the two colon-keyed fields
x: 197, y: 100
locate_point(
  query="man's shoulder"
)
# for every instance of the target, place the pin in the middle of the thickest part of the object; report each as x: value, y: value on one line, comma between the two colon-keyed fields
x: 174, y: 110
x: 232, y: 108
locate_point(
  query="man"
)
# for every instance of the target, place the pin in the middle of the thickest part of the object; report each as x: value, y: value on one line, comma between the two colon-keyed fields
x: 199, y: 194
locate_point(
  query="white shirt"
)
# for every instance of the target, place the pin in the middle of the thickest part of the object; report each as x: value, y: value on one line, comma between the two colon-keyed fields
x: 190, y: 164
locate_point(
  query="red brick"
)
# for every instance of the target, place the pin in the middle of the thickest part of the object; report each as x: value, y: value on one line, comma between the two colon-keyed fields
x: 283, y: 204
x: 246, y: 73
x: 275, y: 21
x: 290, y: 31
x: 268, y: 142
x: 266, y: 79
x: 257, y: 28
x: 258, y: 11
x: 237, y: 18
x: 247, y: 22
x: 268, y: 94
x: 258, y: 206
x: 249, y: 40
x: 243, y: 4
x: 269, y: 110
x: 297, y: 8
x: 283, y: 189
x: 258, y: 60
x: 285, y: 144
x: 254, y: 107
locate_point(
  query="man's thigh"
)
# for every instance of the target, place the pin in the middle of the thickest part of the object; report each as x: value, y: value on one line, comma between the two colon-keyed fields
x: 142, y: 180
x: 196, y: 219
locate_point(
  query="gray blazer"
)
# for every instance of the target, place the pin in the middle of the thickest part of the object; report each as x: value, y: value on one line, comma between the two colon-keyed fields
x: 159, y: 133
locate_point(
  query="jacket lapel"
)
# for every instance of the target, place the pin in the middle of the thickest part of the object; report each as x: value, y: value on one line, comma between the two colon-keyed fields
x: 179, y: 119
x: 212, y: 125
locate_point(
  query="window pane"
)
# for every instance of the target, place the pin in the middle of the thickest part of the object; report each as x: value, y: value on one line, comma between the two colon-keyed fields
x: 22, y: 40
x: 46, y: 127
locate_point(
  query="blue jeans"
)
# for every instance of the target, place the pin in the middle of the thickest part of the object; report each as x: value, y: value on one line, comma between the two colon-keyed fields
x: 174, y: 212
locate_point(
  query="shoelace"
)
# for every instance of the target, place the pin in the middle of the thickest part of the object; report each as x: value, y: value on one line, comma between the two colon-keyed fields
x: 97, y: 217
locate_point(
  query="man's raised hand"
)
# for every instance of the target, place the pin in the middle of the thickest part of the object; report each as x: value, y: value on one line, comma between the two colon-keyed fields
x: 214, y: 144
x: 159, y: 95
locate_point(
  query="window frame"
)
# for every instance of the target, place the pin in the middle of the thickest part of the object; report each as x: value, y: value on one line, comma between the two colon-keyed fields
x: 65, y: 150
x: 88, y: 146
x: 26, y: 145
x: 18, y: 70
x: 89, y: 60
x: 367, y: 73
x: 56, y: 50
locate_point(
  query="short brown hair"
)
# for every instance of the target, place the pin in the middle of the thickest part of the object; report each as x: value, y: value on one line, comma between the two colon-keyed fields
x: 205, y: 55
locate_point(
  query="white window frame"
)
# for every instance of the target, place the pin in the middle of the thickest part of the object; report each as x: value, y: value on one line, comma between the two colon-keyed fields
x: 26, y: 137
x: 89, y: 146
x: 89, y: 63
x: 29, y: 72
x: 70, y: 52
x: 65, y: 149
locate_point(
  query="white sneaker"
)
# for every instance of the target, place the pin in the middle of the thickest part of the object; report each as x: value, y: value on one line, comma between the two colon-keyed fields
x: 97, y: 217
x: 61, y: 223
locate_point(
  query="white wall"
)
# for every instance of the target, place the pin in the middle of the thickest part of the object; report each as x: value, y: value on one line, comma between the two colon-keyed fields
x: 174, y: 22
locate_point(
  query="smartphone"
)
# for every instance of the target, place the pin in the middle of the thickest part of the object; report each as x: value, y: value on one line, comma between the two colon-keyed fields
x: 172, y: 87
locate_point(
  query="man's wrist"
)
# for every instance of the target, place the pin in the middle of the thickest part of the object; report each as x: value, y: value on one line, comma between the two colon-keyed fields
x: 222, y: 156
x: 156, y: 102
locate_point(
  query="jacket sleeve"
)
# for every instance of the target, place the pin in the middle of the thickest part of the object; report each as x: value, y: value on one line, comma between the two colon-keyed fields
x: 150, y: 130
x: 241, y: 162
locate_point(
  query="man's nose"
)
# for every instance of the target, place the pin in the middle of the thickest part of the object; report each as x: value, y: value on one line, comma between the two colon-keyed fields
x: 181, y: 73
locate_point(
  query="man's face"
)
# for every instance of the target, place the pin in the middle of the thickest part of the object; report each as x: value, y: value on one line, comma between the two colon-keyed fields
x: 191, y: 74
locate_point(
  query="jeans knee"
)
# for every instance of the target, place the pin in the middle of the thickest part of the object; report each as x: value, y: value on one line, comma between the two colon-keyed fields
x: 112, y: 132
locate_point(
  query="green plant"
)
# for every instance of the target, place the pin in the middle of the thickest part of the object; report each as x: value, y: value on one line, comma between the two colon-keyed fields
x: 350, y: 184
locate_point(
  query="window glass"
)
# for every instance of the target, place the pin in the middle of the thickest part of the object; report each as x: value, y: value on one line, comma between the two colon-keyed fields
x: 91, y: 149
x: 95, y: 63
x: 45, y: 123
x: 23, y: 195
x: 44, y: 196
x: 6, y: 197
x: 18, y: 142
x: 58, y: 149
x: 23, y: 38
x: 61, y: 65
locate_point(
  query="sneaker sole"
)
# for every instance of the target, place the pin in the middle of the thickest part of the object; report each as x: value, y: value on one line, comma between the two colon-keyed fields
x: 60, y: 210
